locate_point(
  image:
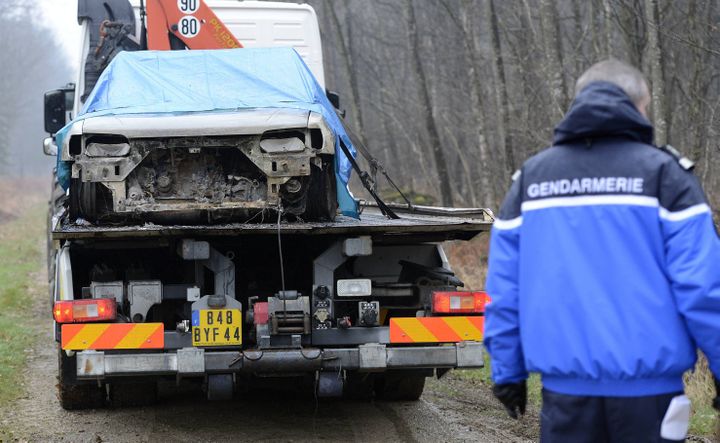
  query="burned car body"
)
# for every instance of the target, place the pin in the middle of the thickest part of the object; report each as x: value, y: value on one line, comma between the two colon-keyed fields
x: 197, y: 167
x: 205, y: 137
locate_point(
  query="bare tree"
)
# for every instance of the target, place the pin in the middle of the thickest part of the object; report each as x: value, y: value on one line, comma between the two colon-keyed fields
x: 502, y: 102
x: 553, y: 57
x: 30, y: 63
x: 436, y: 145
x: 657, y: 89
x: 461, y: 92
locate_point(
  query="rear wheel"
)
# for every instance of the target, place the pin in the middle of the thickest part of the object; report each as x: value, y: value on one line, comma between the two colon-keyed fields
x: 131, y: 394
x: 400, y: 387
x: 74, y: 394
x: 359, y: 386
x: 90, y: 201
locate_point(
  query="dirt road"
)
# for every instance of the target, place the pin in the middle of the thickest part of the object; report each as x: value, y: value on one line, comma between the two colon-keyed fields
x: 452, y: 409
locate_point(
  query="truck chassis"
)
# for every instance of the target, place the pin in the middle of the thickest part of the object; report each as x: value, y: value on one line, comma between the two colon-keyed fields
x: 303, y: 335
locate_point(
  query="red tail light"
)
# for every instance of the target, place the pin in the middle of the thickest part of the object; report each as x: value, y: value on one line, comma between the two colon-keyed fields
x: 459, y: 302
x: 78, y: 311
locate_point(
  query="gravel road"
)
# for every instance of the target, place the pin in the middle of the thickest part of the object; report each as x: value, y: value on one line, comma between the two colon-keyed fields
x: 452, y: 409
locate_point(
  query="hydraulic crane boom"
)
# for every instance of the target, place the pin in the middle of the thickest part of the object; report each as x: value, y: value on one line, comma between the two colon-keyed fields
x: 190, y: 21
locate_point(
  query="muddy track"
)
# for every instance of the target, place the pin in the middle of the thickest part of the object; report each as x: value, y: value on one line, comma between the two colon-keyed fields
x: 452, y: 409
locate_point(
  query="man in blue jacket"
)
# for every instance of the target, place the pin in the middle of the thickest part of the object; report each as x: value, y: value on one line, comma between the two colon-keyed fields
x: 604, y: 273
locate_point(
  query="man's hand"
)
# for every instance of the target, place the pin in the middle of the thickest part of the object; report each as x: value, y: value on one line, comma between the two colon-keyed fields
x: 513, y: 396
x: 716, y: 402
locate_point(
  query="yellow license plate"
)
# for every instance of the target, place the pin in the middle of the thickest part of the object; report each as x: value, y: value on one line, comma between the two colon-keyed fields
x: 216, y: 327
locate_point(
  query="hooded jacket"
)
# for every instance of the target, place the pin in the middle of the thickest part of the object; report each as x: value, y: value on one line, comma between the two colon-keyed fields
x: 604, y: 266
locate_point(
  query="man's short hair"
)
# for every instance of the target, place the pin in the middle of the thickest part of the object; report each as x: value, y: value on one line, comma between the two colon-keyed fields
x: 618, y: 73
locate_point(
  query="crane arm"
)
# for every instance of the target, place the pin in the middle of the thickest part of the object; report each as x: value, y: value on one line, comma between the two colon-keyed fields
x: 190, y: 21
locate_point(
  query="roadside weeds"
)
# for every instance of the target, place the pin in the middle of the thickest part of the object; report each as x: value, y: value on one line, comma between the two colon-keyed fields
x: 20, y: 260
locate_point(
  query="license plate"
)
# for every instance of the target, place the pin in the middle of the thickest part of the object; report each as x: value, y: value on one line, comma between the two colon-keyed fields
x: 216, y: 327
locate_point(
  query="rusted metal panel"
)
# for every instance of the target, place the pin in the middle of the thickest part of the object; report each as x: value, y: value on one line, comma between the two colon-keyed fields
x: 371, y: 223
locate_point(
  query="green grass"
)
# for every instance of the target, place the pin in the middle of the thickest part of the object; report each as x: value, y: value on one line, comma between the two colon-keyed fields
x: 699, y: 388
x: 20, y: 256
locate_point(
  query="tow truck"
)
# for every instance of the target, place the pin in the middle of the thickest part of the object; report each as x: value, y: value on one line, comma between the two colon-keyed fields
x: 362, y: 306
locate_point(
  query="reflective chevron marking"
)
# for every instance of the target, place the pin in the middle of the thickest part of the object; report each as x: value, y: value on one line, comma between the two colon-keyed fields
x: 435, y: 329
x: 101, y: 336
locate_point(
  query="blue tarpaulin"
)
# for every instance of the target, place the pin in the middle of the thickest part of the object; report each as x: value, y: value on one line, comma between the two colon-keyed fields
x: 169, y: 82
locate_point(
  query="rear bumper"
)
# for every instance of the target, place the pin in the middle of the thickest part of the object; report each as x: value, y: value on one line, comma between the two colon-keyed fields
x: 189, y: 362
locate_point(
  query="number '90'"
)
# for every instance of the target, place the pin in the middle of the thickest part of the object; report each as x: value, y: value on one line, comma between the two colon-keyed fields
x: 188, y: 6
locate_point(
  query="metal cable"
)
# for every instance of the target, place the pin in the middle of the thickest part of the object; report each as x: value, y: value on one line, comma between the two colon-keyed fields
x: 282, y: 268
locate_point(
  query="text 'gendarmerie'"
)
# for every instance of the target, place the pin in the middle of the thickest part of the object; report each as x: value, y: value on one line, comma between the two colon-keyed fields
x: 586, y: 185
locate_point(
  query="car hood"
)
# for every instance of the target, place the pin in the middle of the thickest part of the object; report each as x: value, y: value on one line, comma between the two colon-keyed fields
x: 189, y: 124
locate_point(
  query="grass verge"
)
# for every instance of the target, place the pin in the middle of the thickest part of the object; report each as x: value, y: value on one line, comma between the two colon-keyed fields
x: 20, y: 259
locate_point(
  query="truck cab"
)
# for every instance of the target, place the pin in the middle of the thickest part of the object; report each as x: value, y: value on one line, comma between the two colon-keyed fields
x: 256, y: 24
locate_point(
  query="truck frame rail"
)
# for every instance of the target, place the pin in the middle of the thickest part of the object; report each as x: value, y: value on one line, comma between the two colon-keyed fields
x: 435, y: 227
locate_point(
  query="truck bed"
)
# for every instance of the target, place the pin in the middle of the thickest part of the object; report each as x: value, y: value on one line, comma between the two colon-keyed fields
x: 427, y: 224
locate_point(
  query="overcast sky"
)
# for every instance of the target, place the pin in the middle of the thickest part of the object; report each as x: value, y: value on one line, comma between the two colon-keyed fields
x: 61, y: 17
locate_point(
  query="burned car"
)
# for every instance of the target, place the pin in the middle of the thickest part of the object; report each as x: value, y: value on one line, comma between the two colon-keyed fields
x: 196, y: 150
x: 202, y: 166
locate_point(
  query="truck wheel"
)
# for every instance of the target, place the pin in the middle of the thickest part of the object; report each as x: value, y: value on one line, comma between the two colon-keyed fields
x: 127, y: 395
x: 359, y: 386
x: 91, y: 201
x: 74, y: 394
x: 400, y: 387
x: 322, y: 195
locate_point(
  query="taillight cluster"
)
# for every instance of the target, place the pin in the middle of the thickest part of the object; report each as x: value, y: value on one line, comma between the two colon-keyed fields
x: 78, y: 311
x: 459, y: 302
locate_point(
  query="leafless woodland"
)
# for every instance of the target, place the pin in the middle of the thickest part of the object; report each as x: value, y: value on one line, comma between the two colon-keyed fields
x: 453, y: 95
x: 450, y: 95
x: 31, y: 62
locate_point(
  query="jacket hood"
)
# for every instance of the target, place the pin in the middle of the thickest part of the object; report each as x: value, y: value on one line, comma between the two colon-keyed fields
x: 603, y: 109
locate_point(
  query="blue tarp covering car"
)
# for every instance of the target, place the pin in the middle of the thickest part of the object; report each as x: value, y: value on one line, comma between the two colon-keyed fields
x: 175, y: 82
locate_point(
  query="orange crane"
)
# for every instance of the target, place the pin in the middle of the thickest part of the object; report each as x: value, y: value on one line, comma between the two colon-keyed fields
x: 190, y: 21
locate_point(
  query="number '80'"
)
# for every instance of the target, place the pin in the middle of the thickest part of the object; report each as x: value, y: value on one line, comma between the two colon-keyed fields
x: 188, y: 6
x: 189, y: 26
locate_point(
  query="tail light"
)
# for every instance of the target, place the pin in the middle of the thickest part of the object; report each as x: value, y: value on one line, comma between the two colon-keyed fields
x: 78, y: 311
x: 459, y: 302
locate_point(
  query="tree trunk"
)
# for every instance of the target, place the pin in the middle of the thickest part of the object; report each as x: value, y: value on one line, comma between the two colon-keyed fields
x: 607, y: 28
x: 343, y: 46
x: 502, y: 102
x: 426, y: 104
x: 656, y: 73
x: 553, y: 59
x: 477, y: 106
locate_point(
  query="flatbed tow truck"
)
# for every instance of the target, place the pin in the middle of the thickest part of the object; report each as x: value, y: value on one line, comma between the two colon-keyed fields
x: 362, y: 307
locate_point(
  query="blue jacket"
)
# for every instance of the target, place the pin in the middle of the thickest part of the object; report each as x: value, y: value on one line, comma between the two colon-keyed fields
x: 604, y: 266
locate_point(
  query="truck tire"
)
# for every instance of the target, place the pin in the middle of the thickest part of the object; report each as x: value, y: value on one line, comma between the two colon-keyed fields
x: 322, y: 202
x: 127, y: 395
x: 359, y: 386
x: 73, y: 394
x: 399, y: 387
x: 57, y: 195
x: 90, y: 201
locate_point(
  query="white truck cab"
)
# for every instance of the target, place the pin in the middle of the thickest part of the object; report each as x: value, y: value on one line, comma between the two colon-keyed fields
x: 256, y: 24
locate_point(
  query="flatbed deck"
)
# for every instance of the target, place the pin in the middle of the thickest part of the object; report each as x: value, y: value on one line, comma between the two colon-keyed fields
x: 430, y: 227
